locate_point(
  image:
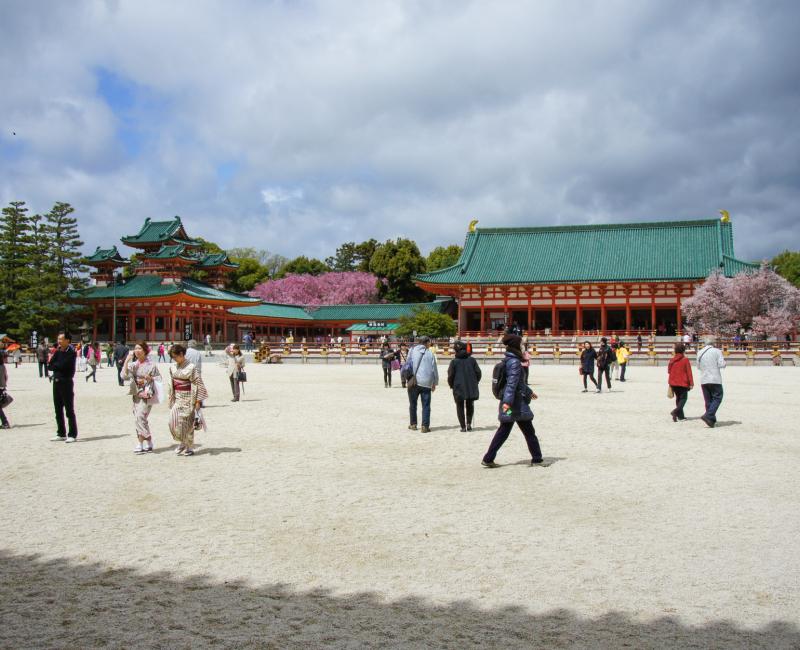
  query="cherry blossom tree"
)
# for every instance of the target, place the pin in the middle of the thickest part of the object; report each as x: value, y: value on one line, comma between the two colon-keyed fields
x: 761, y: 302
x: 347, y: 288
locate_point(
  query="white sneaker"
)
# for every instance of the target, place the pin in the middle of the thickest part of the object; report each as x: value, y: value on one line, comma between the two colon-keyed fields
x: 180, y: 449
x: 148, y: 447
x: 70, y: 439
x: 58, y: 438
x: 138, y: 449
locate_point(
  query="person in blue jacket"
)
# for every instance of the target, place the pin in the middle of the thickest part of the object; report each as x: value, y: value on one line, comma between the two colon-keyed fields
x: 514, y: 406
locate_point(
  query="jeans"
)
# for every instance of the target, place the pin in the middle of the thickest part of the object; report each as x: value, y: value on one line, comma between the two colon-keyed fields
x: 503, y: 431
x: 712, y: 394
x: 622, y: 367
x: 425, y: 396
x: 119, y: 373
x: 463, y: 405
x: 387, y: 375
x: 43, y: 371
x: 681, y: 395
x: 64, y: 401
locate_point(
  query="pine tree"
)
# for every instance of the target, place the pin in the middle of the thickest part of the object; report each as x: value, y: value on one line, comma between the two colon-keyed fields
x: 16, y: 275
x: 61, y: 231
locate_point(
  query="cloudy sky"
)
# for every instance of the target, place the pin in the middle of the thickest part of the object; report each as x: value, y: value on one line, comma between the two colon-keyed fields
x: 294, y: 126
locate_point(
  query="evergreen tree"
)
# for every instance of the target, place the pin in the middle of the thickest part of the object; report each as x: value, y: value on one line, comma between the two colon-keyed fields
x: 64, y: 244
x: 16, y: 275
x: 443, y: 256
x: 396, y: 263
x: 41, y: 296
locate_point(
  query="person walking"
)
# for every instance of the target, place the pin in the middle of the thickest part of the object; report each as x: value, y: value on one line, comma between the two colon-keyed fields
x: 604, y: 356
x: 17, y: 356
x: 120, y: 354
x: 62, y: 365
x: 387, y: 356
x: 680, y: 380
x: 193, y: 355
x: 209, y: 349
x: 514, y: 406
x: 109, y: 355
x: 93, y: 360
x: 463, y: 376
x: 235, y: 366
x: 162, y: 353
x: 622, y: 359
x: 422, y: 377
x: 186, y: 392
x: 402, y: 356
x: 41, y: 359
x: 4, y: 423
x: 143, y: 374
x: 588, y: 357
x: 710, y: 363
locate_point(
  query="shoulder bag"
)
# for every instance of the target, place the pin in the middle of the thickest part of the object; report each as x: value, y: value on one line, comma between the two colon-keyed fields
x: 411, y: 382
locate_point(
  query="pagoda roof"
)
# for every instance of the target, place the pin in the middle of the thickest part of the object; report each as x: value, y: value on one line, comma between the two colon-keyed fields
x: 216, y: 259
x: 172, y: 252
x: 150, y: 286
x: 666, y: 251
x: 160, y: 232
x: 374, y: 311
x: 105, y: 256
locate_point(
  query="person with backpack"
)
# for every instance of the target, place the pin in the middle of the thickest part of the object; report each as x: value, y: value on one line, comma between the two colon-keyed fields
x: 604, y: 356
x: 463, y: 376
x: 421, y: 376
x: 388, y: 355
x: 588, y: 356
x: 515, y: 396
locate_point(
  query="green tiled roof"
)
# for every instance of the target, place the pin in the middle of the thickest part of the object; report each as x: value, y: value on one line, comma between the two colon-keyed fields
x: 366, y: 327
x: 378, y: 311
x: 155, y: 232
x: 149, y: 286
x: 273, y: 310
x: 671, y: 250
x: 169, y: 252
x: 217, y: 259
x: 106, y: 255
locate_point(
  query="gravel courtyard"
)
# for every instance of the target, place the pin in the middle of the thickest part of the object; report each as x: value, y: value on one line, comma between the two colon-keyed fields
x: 311, y: 517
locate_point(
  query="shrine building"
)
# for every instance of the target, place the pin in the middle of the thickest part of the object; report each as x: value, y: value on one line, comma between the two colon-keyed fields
x: 573, y: 280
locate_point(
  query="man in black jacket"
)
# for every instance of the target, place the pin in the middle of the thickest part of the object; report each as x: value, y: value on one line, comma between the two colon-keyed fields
x: 604, y: 359
x: 120, y: 354
x: 62, y: 365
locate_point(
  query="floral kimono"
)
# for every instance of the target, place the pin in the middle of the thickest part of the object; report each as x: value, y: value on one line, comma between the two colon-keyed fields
x: 184, y: 389
x: 143, y: 376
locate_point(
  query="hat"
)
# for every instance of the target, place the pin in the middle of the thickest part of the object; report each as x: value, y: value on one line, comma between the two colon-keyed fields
x: 512, y: 341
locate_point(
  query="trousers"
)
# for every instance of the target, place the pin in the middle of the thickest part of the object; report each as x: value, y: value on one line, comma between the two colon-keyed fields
x: 712, y: 394
x: 603, y: 371
x: 681, y: 395
x: 235, y: 387
x: 502, y: 433
x: 64, y: 403
x: 43, y: 371
x: 465, y: 407
x: 424, y: 395
x: 387, y: 375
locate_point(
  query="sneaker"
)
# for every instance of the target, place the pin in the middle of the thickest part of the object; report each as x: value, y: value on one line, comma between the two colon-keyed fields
x: 425, y: 429
x: 490, y: 465
x: 148, y: 447
x: 180, y: 450
x: 188, y: 452
x: 58, y: 439
x: 5, y: 425
x: 469, y: 427
x: 413, y: 427
x: 71, y: 439
x: 537, y: 462
x: 138, y: 449
x: 708, y: 421
x: 463, y: 429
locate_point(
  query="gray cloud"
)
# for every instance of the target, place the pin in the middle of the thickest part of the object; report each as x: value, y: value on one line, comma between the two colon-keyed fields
x: 380, y: 119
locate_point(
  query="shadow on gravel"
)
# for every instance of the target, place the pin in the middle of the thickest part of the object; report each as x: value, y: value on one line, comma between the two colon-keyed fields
x: 96, y: 438
x: 58, y: 603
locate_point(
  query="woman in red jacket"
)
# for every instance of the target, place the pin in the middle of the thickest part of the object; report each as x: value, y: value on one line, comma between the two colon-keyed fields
x: 680, y: 380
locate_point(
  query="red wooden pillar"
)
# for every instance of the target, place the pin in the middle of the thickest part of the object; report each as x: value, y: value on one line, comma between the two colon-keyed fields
x: 578, y: 309
x: 553, y: 311
x: 483, y: 310
x: 133, y: 321
x: 173, y: 318
x: 530, y: 309
x: 679, y: 291
x: 460, y: 311
x: 603, y: 320
x: 627, y: 310
x: 653, y: 308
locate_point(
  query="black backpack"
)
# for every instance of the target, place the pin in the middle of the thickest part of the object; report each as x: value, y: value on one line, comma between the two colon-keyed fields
x: 499, y: 379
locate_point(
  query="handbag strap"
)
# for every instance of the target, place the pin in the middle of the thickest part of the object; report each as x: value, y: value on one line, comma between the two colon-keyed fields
x: 420, y: 362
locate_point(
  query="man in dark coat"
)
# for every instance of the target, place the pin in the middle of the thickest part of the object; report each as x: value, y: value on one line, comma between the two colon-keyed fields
x: 463, y: 376
x: 62, y: 365
x: 41, y: 358
x: 120, y: 354
x: 514, y: 407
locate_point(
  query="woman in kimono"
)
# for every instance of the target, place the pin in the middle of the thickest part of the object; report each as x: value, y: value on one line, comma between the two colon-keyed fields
x: 143, y: 373
x: 186, y: 392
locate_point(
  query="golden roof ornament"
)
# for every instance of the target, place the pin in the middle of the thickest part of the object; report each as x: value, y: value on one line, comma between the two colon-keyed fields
x: 472, y: 225
x: 726, y: 218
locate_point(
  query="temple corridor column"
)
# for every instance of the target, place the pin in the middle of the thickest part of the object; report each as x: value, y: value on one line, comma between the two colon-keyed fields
x: 603, y: 315
x: 653, y: 309
x: 528, y: 292
x: 578, y: 309
x: 627, y: 310
x: 483, y: 310
x: 94, y: 323
x: 553, y: 311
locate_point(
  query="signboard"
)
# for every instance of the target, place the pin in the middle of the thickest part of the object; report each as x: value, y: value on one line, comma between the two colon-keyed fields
x: 34, y: 339
x: 187, y: 331
x: 376, y: 323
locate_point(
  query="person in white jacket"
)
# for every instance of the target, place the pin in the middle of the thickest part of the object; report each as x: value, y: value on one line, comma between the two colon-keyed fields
x: 710, y: 362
